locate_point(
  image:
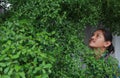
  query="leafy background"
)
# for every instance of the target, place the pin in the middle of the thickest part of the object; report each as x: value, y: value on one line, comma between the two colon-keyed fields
x: 45, y: 38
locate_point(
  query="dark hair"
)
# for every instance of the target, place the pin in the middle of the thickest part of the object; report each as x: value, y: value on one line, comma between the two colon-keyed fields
x: 108, y: 37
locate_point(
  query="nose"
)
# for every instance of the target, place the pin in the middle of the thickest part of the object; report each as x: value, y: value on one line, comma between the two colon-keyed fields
x: 93, y: 37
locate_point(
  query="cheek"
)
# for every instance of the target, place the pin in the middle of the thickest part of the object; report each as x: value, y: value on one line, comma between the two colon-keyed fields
x: 98, y: 44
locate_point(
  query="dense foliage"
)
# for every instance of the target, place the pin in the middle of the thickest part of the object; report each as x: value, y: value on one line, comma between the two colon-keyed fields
x: 45, y: 38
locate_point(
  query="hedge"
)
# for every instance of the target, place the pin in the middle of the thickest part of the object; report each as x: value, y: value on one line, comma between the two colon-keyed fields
x: 45, y: 39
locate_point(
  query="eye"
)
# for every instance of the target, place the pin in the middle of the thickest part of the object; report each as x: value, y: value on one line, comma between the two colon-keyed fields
x: 98, y: 35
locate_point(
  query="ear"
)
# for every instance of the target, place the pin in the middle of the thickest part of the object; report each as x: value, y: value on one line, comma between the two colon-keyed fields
x: 107, y: 43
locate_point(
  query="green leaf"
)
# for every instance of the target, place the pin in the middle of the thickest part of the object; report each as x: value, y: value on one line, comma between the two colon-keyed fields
x: 22, y: 74
x: 2, y: 64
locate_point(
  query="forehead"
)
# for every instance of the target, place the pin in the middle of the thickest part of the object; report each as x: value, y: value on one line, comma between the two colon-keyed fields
x: 98, y: 32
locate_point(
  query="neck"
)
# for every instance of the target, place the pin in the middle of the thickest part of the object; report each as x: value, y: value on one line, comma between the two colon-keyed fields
x: 99, y: 52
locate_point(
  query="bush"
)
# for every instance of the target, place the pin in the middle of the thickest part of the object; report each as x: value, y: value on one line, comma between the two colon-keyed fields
x: 45, y: 38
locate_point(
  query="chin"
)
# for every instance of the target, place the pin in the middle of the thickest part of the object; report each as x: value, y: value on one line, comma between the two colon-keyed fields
x: 92, y: 46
